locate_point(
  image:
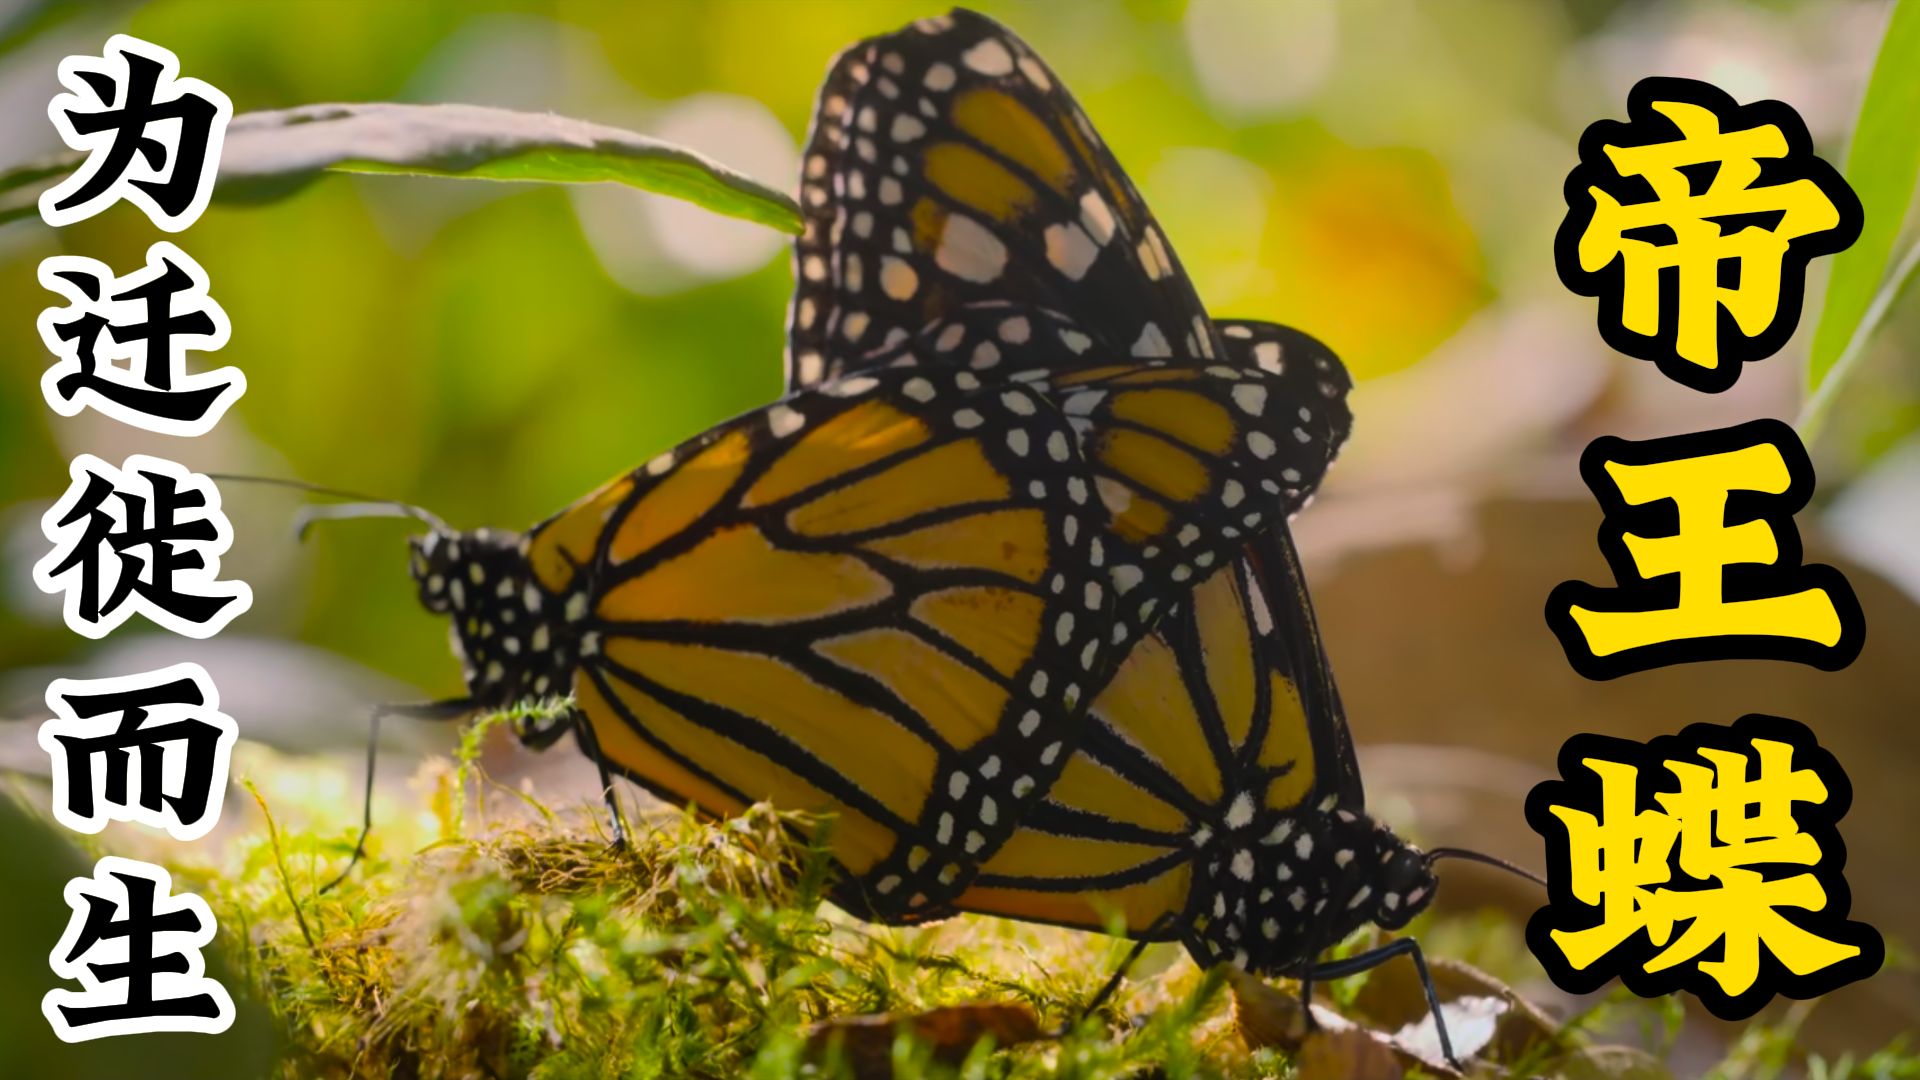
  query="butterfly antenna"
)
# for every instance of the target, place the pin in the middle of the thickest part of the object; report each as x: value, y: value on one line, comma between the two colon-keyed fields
x: 1491, y: 860
x: 357, y: 506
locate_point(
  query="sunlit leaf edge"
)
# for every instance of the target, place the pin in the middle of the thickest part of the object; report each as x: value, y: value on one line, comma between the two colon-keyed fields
x: 269, y: 155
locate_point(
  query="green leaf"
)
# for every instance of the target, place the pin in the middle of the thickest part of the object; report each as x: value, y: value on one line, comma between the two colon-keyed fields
x: 269, y: 155
x: 1882, y: 165
x: 16, y: 204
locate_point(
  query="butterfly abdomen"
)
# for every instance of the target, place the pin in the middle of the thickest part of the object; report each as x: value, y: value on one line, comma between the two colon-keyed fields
x: 1270, y: 896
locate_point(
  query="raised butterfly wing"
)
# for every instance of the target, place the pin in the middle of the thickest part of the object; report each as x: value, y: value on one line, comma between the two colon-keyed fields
x: 1220, y: 737
x: 948, y: 165
x: 870, y: 599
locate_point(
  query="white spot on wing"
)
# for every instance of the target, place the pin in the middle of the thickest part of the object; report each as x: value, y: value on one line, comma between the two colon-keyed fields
x: 907, y: 128
x: 1097, y: 217
x: 989, y: 58
x: 1035, y: 73
x: 1267, y: 355
x: 784, y: 421
x: 969, y: 251
x: 897, y: 278
x: 1070, y: 250
x: 1262, y: 615
x: 1242, y: 866
x: 1083, y: 402
x: 1251, y: 397
x: 1151, y: 343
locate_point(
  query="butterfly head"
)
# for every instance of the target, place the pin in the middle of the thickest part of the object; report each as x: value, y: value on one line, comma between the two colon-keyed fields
x: 1283, y: 885
x: 1404, y: 882
x: 512, y: 642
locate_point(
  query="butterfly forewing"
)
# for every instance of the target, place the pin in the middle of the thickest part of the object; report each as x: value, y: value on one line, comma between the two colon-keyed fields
x: 948, y: 165
x: 865, y: 600
x: 962, y: 211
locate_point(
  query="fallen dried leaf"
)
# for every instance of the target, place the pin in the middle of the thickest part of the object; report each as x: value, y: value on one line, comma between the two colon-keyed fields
x: 1393, y: 997
x: 951, y: 1032
x: 1353, y: 1054
x: 1471, y: 1025
x: 1268, y: 1016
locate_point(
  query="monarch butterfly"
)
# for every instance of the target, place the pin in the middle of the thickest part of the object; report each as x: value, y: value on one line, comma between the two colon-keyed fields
x: 1214, y: 799
x: 890, y: 594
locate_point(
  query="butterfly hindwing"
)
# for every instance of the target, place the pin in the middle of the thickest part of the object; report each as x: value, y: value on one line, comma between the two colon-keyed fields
x: 948, y: 165
x: 1224, y: 721
x: 1308, y: 379
x: 862, y: 600
x: 1186, y: 460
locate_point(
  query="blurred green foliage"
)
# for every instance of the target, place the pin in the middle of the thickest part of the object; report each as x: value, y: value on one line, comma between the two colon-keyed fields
x: 472, y: 354
x: 1371, y: 173
x: 1883, y: 160
x: 39, y: 863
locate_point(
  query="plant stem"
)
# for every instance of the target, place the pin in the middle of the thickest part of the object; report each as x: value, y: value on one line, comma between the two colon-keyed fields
x: 280, y: 863
x: 1814, y: 413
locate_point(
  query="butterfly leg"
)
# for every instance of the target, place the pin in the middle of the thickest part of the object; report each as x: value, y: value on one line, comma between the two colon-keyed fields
x: 1353, y: 965
x: 1151, y: 935
x: 1306, y: 1000
x: 583, y: 731
x: 450, y: 709
x: 1318, y: 938
x: 1113, y: 982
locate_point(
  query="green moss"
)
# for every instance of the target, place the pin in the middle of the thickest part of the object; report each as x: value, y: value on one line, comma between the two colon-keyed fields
x: 531, y: 946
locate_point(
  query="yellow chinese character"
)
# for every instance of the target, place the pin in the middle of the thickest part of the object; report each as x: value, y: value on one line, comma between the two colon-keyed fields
x: 1615, y: 858
x: 1700, y: 536
x: 1711, y: 269
x: 1645, y: 894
